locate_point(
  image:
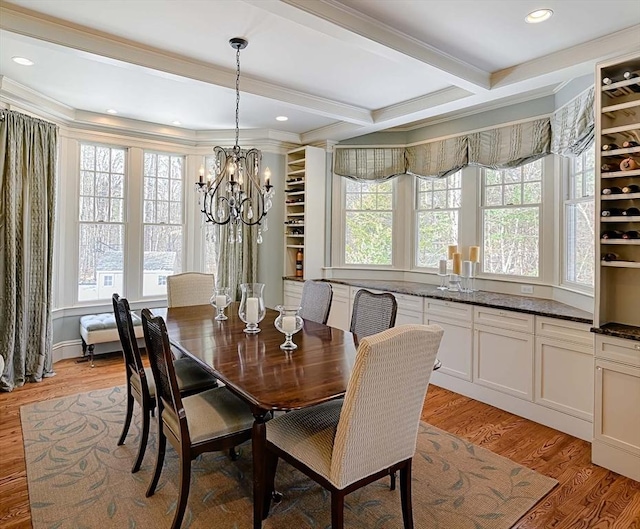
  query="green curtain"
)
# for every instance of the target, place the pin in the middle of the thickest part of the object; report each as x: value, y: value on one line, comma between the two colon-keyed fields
x: 237, y: 262
x: 27, y: 209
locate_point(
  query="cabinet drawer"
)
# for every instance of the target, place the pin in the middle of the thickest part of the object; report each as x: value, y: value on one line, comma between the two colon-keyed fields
x: 570, y: 331
x: 407, y: 303
x: 618, y: 349
x: 448, y: 309
x: 340, y: 291
x: 504, y: 319
x: 293, y: 288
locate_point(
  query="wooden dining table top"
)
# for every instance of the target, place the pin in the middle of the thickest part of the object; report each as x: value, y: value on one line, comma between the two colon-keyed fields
x: 254, y: 366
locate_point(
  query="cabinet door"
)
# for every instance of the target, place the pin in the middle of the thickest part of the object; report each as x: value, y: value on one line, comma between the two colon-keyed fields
x: 564, y: 377
x: 503, y: 360
x: 617, y: 413
x: 455, y: 351
x: 339, y: 315
x: 292, y: 293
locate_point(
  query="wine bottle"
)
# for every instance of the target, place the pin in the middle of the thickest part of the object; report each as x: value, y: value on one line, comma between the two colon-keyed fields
x: 612, y: 191
x: 629, y: 144
x: 612, y: 234
x: 299, y: 260
x: 631, y: 212
x: 610, y: 147
x: 632, y: 75
x: 629, y: 75
x: 628, y: 164
x: 606, y: 80
x: 610, y: 257
x: 611, y: 212
x: 631, y: 188
x: 608, y: 167
x: 631, y: 234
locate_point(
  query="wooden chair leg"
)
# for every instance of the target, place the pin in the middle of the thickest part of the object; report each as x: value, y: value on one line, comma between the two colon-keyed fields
x: 183, y: 496
x: 233, y: 453
x: 337, y: 510
x: 144, y: 437
x: 271, y: 465
x: 405, y: 495
x: 127, y: 418
x: 162, y: 446
x: 392, y: 474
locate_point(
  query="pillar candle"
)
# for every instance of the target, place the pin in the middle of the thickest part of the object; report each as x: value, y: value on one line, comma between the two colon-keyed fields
x: 221, y: 301
x: 457, y: 263
x: 467, y: 268
x: 474, y: 253
x: 442, y: 266
x: 451, y: 249
x: 289, y: 324
x: 252, y: 310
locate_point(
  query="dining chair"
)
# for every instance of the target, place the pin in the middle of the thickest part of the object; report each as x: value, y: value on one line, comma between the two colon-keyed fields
x: 209, y: 421
x: 189, y: 288
x: 140, y: 384
x: 348, y: 443
x: 315, y: 303
x: 372, y: 313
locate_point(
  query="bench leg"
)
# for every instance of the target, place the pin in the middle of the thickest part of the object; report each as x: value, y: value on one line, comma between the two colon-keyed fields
x: 84, y: 358
x: 91, y: 355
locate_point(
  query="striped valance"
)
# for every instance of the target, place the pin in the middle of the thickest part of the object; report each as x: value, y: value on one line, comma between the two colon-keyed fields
x: 369, y: 163
x: 573, y: 125
x: 438, y: 158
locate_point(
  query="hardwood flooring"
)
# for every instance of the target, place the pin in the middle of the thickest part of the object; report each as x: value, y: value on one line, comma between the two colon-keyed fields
x: 587, y: 496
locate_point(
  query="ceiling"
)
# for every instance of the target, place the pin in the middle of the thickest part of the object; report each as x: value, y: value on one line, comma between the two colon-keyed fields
x: 336, y: 69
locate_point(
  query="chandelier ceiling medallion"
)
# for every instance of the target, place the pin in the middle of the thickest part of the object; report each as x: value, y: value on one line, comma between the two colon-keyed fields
x: 233, y: 192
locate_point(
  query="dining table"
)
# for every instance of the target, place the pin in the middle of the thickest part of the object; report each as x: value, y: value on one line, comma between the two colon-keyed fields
x: 254, y: 368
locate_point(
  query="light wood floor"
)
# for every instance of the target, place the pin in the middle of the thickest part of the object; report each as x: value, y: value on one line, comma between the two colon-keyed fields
x: 588, y: 496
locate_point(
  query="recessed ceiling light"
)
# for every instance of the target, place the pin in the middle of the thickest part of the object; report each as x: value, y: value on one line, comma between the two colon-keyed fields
x: 539, y: 15
x: 176, y: 122
x: 282, y: 118
x: 23, y: 61
x: 112, y: 111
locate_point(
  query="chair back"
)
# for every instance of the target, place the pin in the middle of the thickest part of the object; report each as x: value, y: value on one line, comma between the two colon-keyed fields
x: 161, y: 359
x: 316, y: 301
x: 127, y: 334
x: 190, y: 288
x: 379, y: 421
x: 372, y: 313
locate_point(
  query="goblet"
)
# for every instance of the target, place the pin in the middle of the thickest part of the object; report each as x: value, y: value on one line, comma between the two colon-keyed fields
x: 252, y: 310
x: 288, y: 323
x: 220, y: 300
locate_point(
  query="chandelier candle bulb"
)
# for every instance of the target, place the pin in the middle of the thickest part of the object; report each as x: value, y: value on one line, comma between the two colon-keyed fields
x: 457, y: 263
x: 252, y: 310
x: 442, y: 267
x: 289, y: 324
x: 451, y: 249
x: 474, y: 253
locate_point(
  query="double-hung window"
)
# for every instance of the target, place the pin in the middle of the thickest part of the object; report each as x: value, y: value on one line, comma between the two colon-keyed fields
x: 102, y: 221
x: 368, y: 218
x: 511, y: 210
x: 163, y: 215
x: 437, y: 212
x: 579, y: 220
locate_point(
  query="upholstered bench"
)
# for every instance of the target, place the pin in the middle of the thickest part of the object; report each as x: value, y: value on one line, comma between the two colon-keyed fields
x: 102, y: 328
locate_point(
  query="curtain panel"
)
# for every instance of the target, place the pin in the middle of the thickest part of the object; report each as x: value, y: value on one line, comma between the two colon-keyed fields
x: 369, y: 163
x: 27, y: 212
x: 573, y: 125
x: 510, y: 146
x: 437, y: 159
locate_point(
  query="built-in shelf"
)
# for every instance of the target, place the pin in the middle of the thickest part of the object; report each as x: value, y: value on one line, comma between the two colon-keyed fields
x: 296, y: 214
x: 295, y: 246
x: 299, y: 161
x: 620, y: 152
x: 620, y: 196
x: 624, y: 218
x: 607, y: 89
x: 295, y: 172
x: 621, y: 174
x: 620, y: 264
x: 625, y: 242
x: 620, y: 106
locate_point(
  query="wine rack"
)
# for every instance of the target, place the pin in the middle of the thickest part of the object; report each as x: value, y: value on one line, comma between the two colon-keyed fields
x: 617, y: 122
x: 304, y: 199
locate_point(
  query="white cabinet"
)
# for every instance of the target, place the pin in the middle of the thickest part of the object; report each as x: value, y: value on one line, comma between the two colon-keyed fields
x: 292, y: 293
x: 456, y: 347
x: 340, y: 313
x: 409, y: 309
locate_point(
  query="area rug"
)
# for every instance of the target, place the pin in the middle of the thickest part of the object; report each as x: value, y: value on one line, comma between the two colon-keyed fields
x: 79, y: 478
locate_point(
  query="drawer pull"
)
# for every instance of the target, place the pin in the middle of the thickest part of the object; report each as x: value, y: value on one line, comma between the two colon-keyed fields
x: 637, y: 347
x: 501, y: 313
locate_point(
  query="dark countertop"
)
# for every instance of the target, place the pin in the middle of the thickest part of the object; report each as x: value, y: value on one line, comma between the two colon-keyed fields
x: 528, y: 305
x: 619, y: 330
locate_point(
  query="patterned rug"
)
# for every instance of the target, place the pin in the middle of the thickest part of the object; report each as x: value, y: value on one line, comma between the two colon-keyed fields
x: 79, y: 478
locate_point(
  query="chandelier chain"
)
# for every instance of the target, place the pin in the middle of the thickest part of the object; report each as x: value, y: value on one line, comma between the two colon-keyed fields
x: 237, y: 96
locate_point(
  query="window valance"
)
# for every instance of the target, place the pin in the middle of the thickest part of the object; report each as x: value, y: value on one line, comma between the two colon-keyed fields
x: 369, y: 163
x: 438, y: 158
x: 573, y: 125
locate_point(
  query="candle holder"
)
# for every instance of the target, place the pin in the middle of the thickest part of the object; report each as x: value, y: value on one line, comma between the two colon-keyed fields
x: 288, y: 323
x: 474, y: 270
x: 442, y: 274
x: 252, y: 310
x: 220, y: 300
x: 454, y: 283
x: 443, y: 282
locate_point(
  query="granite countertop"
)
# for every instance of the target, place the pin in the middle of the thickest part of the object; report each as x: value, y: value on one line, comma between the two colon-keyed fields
x: 528, y: 305
x: 619, y: 330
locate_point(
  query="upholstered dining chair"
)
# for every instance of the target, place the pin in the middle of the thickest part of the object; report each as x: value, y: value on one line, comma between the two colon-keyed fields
x: 348, y: 443
x: 210, y: 421
x: 140, y: 385
x: 189, y: 288
x: 316, y: 301
x: 372, y: 313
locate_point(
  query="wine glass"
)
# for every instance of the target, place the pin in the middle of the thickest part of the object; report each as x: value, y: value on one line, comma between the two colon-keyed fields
x: 220, y: 300
x: 288, y: 323
x: 252, y: 310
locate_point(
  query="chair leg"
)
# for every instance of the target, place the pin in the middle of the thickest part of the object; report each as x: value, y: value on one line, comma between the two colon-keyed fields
x: 183, y: 497
x: 162, y: 445
x: 127, y: 418
x: 337, y: 510
x: 393, y: 475
x: 233, y: 453
x: 405, y: 495
x: 144, y: 437
x: 271, y: 465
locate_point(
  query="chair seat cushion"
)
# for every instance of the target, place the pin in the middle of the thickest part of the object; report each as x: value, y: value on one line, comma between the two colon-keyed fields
x: 213, y: 413
x: 191, y: 378
x: 308, y: 434
x: 101, y: 328
x: 135, y: 382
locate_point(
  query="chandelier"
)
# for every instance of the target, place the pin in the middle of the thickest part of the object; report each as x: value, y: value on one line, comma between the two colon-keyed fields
x: 233, y: 192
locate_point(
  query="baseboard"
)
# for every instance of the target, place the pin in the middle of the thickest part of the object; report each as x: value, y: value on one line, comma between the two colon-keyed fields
x: 615, y: 459
x: 563, y: 422
x: 65, y: 350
